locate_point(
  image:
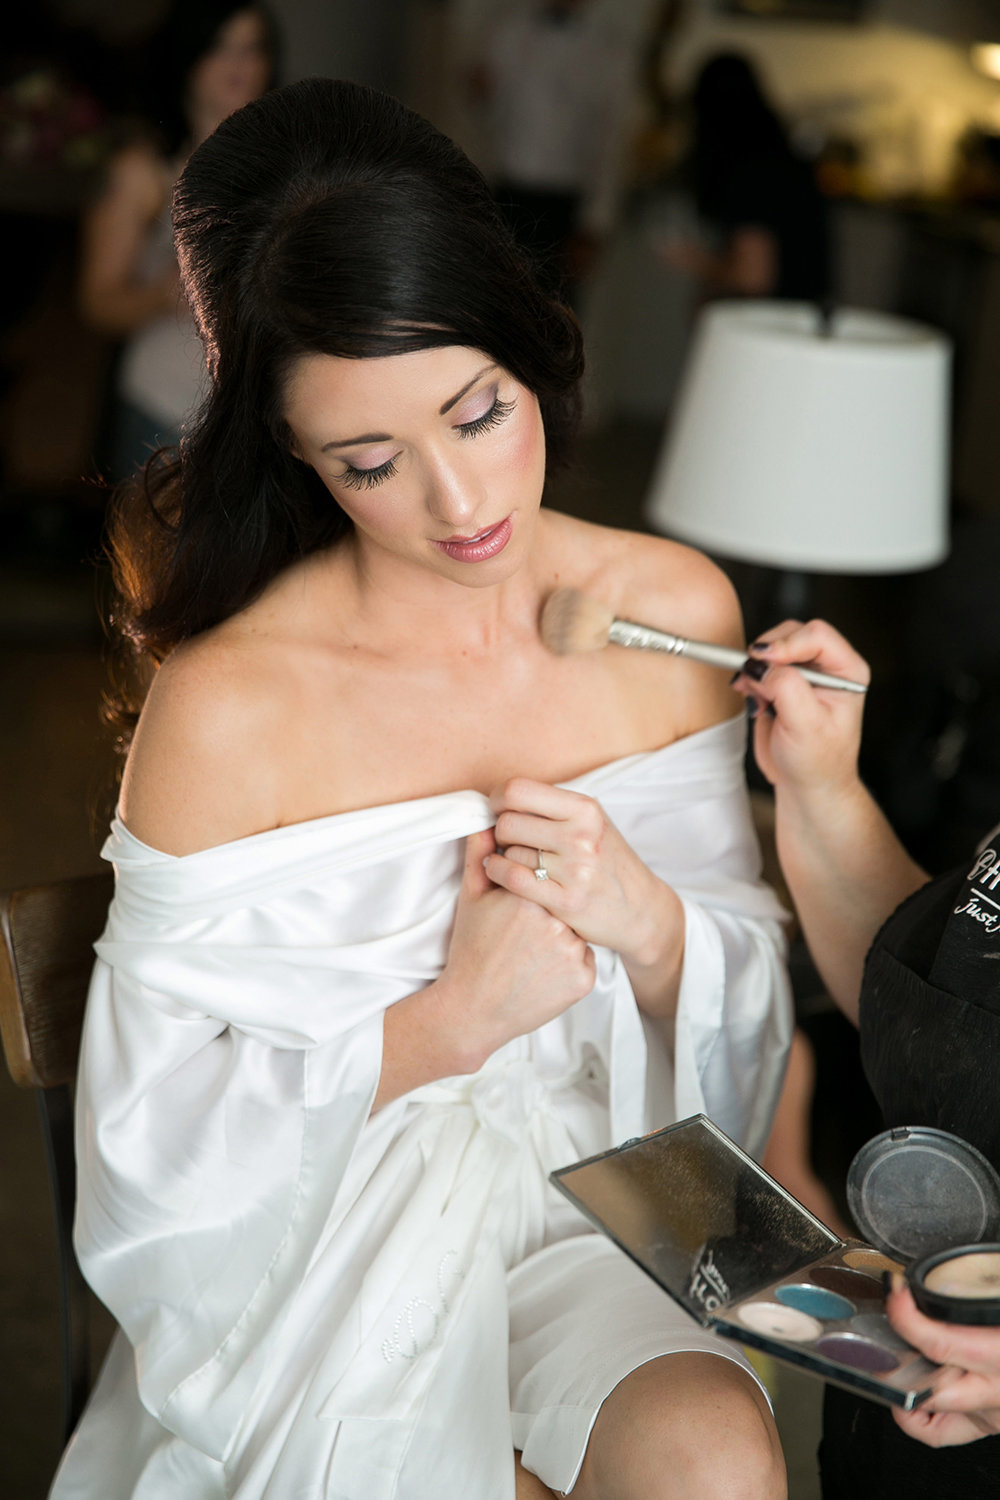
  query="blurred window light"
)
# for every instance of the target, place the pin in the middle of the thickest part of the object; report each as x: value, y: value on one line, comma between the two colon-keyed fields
x: 986, y: 57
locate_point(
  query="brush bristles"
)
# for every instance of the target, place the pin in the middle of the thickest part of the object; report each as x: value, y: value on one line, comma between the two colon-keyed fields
x: 573, y: 622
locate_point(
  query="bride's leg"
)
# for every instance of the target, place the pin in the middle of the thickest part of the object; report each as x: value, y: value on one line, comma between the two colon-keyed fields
x: 684, y: 1427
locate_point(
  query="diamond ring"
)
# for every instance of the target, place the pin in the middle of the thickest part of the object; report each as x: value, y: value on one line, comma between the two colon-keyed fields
x: 541, y: 873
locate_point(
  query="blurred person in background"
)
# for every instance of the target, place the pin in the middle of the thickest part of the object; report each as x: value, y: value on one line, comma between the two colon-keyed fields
x: 766, y: 221
x: 552, y: 78
x: 208, y: 59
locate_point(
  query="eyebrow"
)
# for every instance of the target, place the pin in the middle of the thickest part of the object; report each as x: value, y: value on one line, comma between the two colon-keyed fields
x: 442, y: 410
x: 385, y: 437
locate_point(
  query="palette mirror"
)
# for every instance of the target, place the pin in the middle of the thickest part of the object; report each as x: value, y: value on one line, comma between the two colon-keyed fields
x: 746, y: 1259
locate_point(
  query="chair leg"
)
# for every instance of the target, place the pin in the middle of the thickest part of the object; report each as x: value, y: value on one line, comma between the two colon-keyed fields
x: 56, y: 1109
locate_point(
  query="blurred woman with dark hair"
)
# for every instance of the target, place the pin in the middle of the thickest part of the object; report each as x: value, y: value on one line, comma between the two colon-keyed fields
x: 209, y: 58
x: 754, y: 193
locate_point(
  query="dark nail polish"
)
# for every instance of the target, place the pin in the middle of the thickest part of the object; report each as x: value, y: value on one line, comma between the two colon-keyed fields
x: 756, y: 709
x: 759, y: 646
x: 736, y: 677
x: 755, y: 669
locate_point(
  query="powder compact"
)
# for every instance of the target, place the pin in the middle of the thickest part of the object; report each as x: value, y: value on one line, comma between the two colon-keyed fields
x: 930, y: 1199
x: 747, y: 1260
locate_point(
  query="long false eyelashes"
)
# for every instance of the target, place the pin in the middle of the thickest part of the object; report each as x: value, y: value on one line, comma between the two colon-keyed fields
x: 498, y: 412
x: 368, y: 479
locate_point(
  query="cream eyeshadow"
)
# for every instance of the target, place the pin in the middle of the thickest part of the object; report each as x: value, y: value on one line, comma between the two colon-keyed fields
x: 969, y: 1275
x: 780, y: 1322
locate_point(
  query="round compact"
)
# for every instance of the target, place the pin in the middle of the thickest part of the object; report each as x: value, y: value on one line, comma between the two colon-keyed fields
x: 959, y: 1285
x: 914, y: 1190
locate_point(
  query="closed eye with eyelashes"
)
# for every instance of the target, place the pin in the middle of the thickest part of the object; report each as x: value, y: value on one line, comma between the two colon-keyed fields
x: 367, y: 479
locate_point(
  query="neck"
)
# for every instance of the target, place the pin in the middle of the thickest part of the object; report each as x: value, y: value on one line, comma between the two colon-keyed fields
x: 407, y: 610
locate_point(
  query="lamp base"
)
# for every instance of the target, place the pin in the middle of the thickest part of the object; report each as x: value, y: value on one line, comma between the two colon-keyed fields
x: 792, y: 594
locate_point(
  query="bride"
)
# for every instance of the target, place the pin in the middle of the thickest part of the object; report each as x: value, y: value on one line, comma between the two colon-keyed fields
x: 409, y: 910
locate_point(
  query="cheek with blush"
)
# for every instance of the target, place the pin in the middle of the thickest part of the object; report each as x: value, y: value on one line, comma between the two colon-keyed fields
x: 523, y: 454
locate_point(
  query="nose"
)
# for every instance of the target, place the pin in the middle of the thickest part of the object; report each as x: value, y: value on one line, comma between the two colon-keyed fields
x: 454, y: 494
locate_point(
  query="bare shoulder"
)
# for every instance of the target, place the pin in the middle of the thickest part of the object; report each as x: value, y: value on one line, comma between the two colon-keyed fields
x: 662, y: 583
x: 648, y: 578
x: 678, y: 588
x: 199, y: 772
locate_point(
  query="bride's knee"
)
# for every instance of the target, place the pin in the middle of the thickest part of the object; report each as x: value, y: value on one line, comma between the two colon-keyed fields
x: 685, y: 1427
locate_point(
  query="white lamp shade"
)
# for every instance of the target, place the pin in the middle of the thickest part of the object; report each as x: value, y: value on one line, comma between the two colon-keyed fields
x: 805, y: 451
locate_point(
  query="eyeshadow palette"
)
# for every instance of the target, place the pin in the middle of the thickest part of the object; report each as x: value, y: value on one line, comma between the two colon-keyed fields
x: 747, y: 1260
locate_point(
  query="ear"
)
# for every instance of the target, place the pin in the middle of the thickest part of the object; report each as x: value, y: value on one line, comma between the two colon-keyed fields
x: 291, y: 442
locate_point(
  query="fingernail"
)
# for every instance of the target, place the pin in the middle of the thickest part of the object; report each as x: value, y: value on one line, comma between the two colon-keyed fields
x: 755, y: 669
x: 736, y: 677
x: 892, y: 1281
x: 756, y: 709
x: 759, y: 646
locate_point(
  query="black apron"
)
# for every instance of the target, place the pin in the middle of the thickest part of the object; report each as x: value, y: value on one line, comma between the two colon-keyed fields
x: 931, y: 1059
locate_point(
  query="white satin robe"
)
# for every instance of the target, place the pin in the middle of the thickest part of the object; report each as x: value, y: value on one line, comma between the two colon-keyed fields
x: 302, y: 1287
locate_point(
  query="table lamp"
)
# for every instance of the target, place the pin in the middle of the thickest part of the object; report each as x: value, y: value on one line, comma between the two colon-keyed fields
x: 809, y: 442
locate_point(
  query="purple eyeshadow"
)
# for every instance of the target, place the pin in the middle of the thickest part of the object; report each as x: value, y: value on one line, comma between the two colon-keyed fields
x: 860, y: 1354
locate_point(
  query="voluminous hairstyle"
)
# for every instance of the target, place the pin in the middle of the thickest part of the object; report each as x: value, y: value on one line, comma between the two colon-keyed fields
x: 323, y: 218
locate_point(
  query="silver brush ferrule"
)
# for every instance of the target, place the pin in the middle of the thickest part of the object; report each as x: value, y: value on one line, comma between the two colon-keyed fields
x: 627, y: 633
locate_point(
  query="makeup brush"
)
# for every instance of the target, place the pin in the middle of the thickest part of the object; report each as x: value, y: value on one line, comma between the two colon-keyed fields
x: 572, y: 622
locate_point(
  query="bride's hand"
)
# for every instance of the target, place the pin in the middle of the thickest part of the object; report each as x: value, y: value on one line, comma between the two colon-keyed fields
x: 594, y: 881
x: 511, y: 965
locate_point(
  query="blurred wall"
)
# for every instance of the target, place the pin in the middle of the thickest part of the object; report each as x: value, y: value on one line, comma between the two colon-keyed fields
x: 360, y: 39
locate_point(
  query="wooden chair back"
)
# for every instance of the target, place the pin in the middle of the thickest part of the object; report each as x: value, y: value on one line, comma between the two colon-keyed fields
x: 47, y: 934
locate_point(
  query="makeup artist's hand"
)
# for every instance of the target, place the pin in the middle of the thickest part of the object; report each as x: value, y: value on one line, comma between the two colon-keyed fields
x: 596, y: 884
x: 806, y: 738
x: 966, y: 1404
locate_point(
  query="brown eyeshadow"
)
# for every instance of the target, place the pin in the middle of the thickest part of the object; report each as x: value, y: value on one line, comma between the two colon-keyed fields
x: 854, y: 1284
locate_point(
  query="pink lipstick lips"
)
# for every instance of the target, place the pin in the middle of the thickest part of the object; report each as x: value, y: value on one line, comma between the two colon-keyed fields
x: 483, y: 545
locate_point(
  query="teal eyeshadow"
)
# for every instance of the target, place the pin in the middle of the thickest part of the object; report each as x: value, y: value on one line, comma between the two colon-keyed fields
x: 815, y: 1300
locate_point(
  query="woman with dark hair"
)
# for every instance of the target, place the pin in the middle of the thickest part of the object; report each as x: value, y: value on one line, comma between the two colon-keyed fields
x: 753, y: 192
x: 208, y: 58
x: 409, y: 910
